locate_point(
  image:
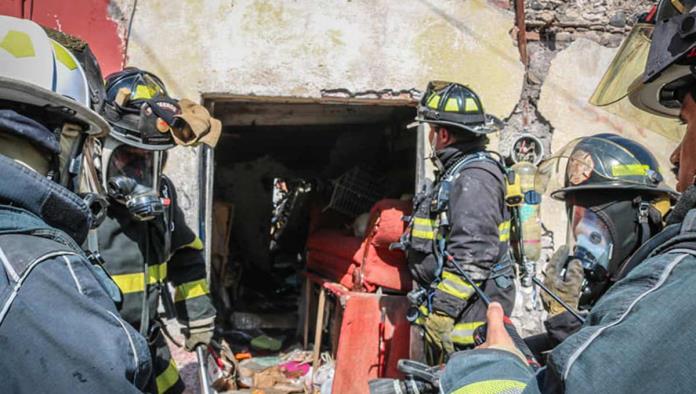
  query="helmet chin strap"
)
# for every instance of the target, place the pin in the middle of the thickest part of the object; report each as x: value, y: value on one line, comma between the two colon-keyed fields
x: 433, y: 154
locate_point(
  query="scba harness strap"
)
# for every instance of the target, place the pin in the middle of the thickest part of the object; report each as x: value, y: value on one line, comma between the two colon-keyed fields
x: 430, y: 225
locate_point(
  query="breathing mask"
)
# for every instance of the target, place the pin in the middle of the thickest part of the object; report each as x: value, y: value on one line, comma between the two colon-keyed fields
x: 591, y: 243
x: 132, y: 178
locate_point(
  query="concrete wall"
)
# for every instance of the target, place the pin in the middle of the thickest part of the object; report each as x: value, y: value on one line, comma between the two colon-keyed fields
x: 301, y: 48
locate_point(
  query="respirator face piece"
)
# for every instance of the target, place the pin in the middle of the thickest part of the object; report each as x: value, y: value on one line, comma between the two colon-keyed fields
x: 133, y: 163
x: 132, y: 176
x: 591, y: 243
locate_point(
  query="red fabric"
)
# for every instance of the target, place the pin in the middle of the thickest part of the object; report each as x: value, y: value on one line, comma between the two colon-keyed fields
x: 335, y: 242
x: 328, y: 265
x: 336, y: 255
x: 389, y: 225
x: 365, y: 351
x: 382, y: 267
x: 379, y: 266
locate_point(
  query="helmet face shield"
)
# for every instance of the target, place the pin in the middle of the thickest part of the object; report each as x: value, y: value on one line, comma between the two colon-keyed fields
x: 668, y: 68
x: 598, y: 162
x: 590, y: 241
x: 626, y: 68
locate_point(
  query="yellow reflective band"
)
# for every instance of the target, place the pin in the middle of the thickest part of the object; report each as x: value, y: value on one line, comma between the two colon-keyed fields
x: 134, y: 283
x: 18, y: 44
x: 470, y: 105
x: 158, y: 273
x: 423, y: 234
x: 143, y: 92
x: 504, y: 231
x: 423, y: 228
x: 168, y: 378
x: 492, y: 386
x: 190, y: 290
x: 456, y: 286
x: 434, y: 101
x: 452, y: 105
x: 629, y: 169
x: 425, y: 222
x: 463, y: 333
x: 63, y: 56
x: 196, y: 244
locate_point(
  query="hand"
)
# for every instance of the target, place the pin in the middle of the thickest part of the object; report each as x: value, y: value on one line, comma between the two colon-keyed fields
x: 497, y: 336
x: 198, y: 336
x: 566, y: 287
x: 437, y: 329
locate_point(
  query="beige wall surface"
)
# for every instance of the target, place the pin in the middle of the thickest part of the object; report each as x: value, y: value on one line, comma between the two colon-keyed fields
x: 299, y: 48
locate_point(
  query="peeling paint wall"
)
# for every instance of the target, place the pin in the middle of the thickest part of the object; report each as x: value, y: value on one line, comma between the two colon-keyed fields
x: 299, y: 48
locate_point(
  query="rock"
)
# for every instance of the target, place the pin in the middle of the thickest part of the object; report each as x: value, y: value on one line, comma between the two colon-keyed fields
x: 592, y: 35
x: 547, y: 16
x: 618, y: 19
x: 615, y: 40
x: 591, y: 16
x: 564, y: 36
x: 571, y: 15
x: 533, y: 78
x: 533, y: 36
x: 537, y: 6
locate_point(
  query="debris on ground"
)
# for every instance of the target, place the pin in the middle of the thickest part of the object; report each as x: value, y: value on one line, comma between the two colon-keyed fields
x: 265, y: 342
x: 285, y: 373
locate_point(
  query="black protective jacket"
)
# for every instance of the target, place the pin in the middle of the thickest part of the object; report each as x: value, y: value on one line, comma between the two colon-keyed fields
x: 60, y: 331
x: 479, y: 227
x: 174, y: 255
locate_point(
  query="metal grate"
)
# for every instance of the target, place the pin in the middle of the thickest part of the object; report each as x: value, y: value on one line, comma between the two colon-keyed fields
x: 356, y: 191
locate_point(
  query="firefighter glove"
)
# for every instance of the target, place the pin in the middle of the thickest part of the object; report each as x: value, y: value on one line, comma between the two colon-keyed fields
x: 438, y: 328
x: 195, y: 336
x: 565, y: 284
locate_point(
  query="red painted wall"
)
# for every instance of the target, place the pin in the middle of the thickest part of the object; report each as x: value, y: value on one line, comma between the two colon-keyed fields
x: 87, y: 19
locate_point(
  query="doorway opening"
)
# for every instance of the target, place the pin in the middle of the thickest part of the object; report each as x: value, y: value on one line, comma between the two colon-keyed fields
x: 284, y: 169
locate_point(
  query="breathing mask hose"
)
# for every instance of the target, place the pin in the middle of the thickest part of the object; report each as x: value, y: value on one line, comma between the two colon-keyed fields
x: 559, y: 300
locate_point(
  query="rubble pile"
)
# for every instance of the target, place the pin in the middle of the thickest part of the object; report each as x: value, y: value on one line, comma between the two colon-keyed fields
x: 603, y: 21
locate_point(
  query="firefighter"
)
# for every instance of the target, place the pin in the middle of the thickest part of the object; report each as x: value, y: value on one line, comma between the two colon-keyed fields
x: 144, y: 239
x: 59, y: 327
x: 459, y: 222
x: 638, y: 336
x: 615, y: 200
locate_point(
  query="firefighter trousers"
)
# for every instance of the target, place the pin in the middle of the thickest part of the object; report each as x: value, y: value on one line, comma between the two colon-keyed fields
x: 166, y: 377
x: 444, y: 335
